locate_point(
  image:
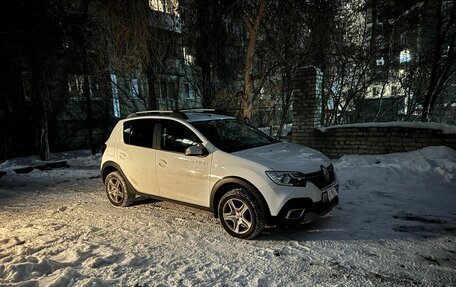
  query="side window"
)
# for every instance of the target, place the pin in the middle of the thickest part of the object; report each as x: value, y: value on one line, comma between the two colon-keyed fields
x: 176, y: 137
x: 139, y: 132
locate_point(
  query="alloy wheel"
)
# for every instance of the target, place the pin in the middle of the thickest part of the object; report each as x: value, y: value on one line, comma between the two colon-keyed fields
x: 237, y: 216
x: 115, y: 191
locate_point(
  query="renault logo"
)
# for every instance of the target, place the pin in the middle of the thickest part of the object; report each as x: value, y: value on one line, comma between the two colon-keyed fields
x: 325, y: 173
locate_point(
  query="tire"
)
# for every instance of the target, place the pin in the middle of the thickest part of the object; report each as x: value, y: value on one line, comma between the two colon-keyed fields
x: 240, y: 214
x: 117, y: 191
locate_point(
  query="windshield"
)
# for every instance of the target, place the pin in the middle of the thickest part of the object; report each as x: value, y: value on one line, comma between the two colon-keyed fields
x: 232, y: 135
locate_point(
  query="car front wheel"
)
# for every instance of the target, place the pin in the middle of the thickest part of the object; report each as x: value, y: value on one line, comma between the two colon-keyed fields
x: 240, y: 214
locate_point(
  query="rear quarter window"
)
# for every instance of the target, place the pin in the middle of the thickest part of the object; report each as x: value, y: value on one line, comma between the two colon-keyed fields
x: 139, y: 132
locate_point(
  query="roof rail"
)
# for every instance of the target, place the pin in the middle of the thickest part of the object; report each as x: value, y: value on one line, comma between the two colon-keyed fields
x: 214, y: 111
x: 174, y: 114
x: 153, y: 111
x: 197, y: 110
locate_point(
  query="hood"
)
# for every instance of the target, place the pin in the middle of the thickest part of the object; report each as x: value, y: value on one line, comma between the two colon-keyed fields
x: 285, y: 156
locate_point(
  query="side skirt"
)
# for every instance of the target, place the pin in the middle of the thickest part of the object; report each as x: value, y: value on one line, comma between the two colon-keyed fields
x: 171, y: 200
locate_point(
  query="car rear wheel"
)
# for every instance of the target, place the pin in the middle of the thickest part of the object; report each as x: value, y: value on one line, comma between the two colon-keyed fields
x: 117, y: 191
x: 240, y: 214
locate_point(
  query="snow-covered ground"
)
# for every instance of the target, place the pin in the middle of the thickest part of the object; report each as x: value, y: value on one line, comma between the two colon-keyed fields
x: 395, y: 226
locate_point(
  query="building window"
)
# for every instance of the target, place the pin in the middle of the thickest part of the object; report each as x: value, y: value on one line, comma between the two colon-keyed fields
x: 189, y: 95
x: 393, y: 91
x: 115, y: 96
x: 380, y: 6
x: 166, y: 6
x: 380, y: 42
x: 134, y: 89
x: 27, y: 84
x: 404, y: 38
x: 404, y: 56
x: 375, y: 92
x: 447, y: 8
x: 167, y: 90
x: 188, y: 58
x: 380, y: 62
x: 445, y: 51
x: 76, y: 86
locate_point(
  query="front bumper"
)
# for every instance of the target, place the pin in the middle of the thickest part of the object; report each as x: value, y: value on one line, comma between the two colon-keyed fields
x: 277, y: 196
x: 302, y: 210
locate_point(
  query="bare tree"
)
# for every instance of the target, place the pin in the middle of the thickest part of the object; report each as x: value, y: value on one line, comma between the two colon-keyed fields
x: 348, y: 62
x: 252, y: 29
x: 282, y: 47
x: 439, y: 50
x: 164, y: 50
x: 45, y: 51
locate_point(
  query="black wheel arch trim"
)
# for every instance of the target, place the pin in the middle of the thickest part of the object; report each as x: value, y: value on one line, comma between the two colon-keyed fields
x: 245, y: 184
x: 114, y: 165
x: 108, y: 164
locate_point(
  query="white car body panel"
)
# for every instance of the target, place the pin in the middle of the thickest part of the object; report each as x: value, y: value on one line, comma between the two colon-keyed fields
x: 138, y: 165
x: 285, y: 156
x: 184, y: 178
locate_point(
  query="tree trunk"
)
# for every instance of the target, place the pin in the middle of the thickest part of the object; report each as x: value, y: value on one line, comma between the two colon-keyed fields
x: 44, y: 125
x: 88, y: 100
x: 437, y: 53
x: 285, y: 101
x: 206, y: 72
x: 252, y: 29
x: 41, y: 101
x: 176, y: 95
x: 152, y: 96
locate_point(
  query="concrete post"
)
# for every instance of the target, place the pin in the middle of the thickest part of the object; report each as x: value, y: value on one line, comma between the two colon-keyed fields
x: 307, y: 88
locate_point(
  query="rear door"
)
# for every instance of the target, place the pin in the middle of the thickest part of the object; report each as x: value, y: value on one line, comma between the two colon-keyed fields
x: 181, y: 177
x: 137, y: 157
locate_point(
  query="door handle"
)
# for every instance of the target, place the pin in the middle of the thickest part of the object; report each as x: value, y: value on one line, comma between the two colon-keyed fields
x: 162, y: 163
x: 122, y: 155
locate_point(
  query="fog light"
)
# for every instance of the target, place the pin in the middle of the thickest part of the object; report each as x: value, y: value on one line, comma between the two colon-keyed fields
x: 295, y: 213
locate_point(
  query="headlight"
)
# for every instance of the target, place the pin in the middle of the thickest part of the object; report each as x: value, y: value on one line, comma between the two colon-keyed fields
x: 291, y: 178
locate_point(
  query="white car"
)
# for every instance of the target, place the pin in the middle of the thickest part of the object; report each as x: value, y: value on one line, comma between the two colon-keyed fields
x: 219, y: 163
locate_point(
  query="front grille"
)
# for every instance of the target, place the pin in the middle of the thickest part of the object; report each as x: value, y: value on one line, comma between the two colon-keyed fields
x: 318, y: 178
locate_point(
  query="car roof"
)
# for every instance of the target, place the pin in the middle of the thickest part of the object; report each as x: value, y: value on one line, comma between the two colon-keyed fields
x: 194, y: 115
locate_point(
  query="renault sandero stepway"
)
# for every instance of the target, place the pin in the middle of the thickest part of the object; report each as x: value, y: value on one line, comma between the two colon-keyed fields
x: 219, y: 163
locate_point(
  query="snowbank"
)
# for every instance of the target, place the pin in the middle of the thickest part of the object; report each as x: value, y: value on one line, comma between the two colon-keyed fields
x: 79, y: 158
x: 432, y: 163
x: 79, y: 165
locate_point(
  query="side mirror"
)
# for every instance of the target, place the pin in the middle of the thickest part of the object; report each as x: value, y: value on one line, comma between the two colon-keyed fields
x: 193, y: 151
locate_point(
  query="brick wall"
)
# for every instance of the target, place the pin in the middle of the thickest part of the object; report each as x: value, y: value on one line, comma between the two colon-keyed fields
x: 336, y: 142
